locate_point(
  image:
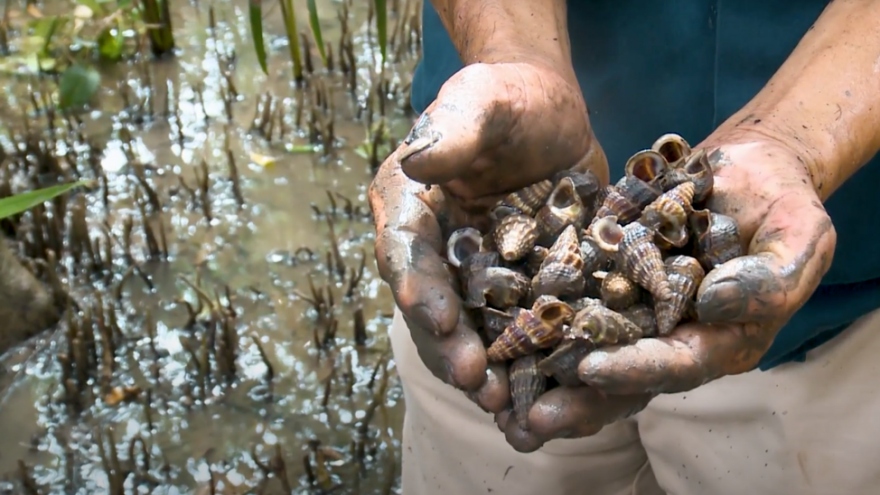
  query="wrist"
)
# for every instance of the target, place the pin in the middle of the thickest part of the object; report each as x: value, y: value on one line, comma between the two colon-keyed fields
x: 495, y: 31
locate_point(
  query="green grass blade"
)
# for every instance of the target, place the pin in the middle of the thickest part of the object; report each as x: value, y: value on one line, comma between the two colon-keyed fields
x: 316, y: 30
x: 382, y: 27
x: 255, y: 9
x: 289, y: 17
x: 13, y: 205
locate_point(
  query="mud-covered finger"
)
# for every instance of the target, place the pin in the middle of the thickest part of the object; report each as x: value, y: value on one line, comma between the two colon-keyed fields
x: 574, y: 412
x: 458, y: 358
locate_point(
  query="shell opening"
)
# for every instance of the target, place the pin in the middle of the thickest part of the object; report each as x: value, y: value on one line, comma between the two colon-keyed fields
x: 672, y: 146
x: 502, y: 211
x: 462, y: 244
x: 697, y: 164
x: 646, y: 165
x: 607, y: 233
x: 701, y: 221
x: 564, y: 195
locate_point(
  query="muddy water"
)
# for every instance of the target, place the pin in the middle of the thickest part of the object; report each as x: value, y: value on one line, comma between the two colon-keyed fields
x: 323, y: 389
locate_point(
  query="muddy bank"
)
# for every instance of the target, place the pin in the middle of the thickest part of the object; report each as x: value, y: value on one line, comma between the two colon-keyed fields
x: 228, y: 325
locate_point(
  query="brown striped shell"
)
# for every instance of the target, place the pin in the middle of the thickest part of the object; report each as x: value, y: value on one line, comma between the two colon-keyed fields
x: 637, y: 256
x: 604, y: 326
x: 587, y: 187
x: 617, y: 205
x: 529, y: 199
x: 537, y: 328
x: 668, y: 216
x: 496, y: 320
x: 527, y: 383
x: 535, y: 259
x: 561, y: 273
x: 515, y: 235
x: 685, y: 275
x: 716, y: 238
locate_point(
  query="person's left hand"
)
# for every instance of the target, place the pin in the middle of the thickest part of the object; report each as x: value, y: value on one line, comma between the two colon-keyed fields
x: 766, y: 185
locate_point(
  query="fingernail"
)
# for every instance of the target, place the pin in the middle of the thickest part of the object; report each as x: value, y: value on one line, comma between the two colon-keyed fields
x: 722, y: 301
x: 420, y: 138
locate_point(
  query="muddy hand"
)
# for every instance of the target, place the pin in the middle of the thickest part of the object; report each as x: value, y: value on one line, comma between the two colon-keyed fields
x: 495, y: 128
x: 789, y: 243
x: 409, y: 243
x: 566, y: 412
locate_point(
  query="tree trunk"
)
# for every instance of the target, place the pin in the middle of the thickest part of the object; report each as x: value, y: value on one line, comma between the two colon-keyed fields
x: 27, y: 307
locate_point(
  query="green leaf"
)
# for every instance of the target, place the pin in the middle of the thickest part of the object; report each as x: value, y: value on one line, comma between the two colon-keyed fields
x: 382, y: 27
x: 77, y: 86
x: 255, y: 9
x: 45, y: 28
x: 18, y: 203
x: 316, y: 29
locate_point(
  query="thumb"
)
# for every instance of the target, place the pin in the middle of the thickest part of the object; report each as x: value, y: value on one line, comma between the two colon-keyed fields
x: 444, y: 144
x: 788, y: 256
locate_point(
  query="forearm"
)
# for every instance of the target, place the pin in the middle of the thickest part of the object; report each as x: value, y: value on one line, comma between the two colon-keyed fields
x: 825, y: 99
x: 493, y: 31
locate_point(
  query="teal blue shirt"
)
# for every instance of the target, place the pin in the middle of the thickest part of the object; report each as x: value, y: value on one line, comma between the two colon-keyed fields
x: 647, y: 68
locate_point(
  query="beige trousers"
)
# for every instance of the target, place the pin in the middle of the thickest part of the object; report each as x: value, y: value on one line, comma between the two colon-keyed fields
x: 801, y: 428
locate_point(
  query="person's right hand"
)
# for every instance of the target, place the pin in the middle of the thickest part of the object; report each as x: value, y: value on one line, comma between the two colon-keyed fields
x: 493, y: 129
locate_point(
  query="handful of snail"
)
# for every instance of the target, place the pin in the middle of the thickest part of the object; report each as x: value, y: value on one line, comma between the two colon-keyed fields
x: 568, y: 266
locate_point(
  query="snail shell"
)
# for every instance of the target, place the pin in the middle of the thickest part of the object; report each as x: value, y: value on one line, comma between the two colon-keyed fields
x: 532, y: 329
x: 585, y: 302
x: 495, y: 321
x: 668, y: 216
x: 617, y: 205
x: 562, y: 363
x: 561, y: 273
x: 497, y: 286
x: 515, y: 235
x: 716, y: 238
x: 563, y: 208
x: 644, y: 317
x: 594, y: 258
x: 527, y: 383
x: 535, y: 259
x: 696, y: 169
x: 639, y: 192
x: 685, y: 275
x: 587, y: 187
x: 673, y: 147
x: 463, y: 243
x: 529, y: 199
x: 647, y: 165
x: 637, y: 256
x: 604, y: 326
x: 618, y: 292
x: 475, y: 263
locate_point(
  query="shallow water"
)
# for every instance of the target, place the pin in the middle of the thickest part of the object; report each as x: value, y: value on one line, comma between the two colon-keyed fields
x: 198, y: 428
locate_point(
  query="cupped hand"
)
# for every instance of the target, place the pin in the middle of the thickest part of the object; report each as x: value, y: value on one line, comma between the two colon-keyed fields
x: 789, y: 242
x: 493, y: 129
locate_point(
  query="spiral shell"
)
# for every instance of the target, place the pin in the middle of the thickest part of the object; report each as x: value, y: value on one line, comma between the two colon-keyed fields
x: 497, y: 286
x: 643, y: 317
x: 561, y: 273
x: 647, y: 165
x: 563, y: 208
x: 527, y: 383
x: 535, y: 259
x: 604, y: 326
x: 673, y: 147
x: 637, y: 256
x: 716, y: 238
x: 668, y: 216
x: 594, y: 258
x: 562, y: 363
x: 587, y: 187
x: 463, y: 243
x: 496, y: 320
x: 685, y: 275
x: 637, y: 191
x: 617, y: 205
x: 529, y: 199
x: 696, y: 169
x: 618, y: 292
x: 515, y: 235
x: 532, y: 329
